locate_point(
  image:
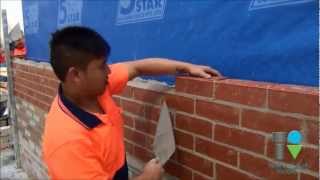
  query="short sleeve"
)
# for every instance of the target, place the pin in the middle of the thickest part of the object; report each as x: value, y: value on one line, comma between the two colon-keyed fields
x: 118, y: 78
x: 76, y: 160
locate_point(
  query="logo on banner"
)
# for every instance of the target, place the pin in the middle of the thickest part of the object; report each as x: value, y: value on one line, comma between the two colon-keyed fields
x: 260, y: 4
x: 69, y: 12
x: 134, y: 11
x: 32, y: 18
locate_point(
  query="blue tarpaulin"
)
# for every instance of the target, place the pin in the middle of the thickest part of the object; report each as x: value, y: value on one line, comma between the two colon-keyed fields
x: 264, y: 40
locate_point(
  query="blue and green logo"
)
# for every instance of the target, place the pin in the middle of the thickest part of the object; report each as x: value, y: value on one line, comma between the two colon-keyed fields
x: 294, y: 143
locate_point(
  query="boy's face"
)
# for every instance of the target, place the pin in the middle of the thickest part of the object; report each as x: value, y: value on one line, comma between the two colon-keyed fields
x: 95, y: 78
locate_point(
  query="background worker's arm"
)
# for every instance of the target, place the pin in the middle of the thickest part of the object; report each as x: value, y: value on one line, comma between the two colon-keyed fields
x: 159, y: 66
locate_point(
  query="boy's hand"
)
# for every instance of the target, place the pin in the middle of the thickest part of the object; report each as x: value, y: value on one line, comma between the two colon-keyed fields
x: 152, y: 171
x: 202, y: 71
x: 159, y: 66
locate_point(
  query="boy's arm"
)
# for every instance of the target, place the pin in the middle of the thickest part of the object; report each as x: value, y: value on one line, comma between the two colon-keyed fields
x: 159, y: 66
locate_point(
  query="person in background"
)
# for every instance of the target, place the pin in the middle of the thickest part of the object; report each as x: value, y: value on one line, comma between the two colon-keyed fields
x: 19, y: 49
x: 2, y: 56
x: 17, y: 43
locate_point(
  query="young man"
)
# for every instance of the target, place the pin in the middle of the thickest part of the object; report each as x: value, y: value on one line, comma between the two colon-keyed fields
x: 83, y: 137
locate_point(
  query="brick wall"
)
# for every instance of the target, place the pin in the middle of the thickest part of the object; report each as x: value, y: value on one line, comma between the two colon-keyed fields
x: 222, y: 128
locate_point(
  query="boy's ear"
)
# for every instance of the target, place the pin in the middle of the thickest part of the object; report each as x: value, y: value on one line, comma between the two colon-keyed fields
x: 73, y: 75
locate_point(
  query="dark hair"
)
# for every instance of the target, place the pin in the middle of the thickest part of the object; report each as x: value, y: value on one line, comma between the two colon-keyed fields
x: 75, y: 47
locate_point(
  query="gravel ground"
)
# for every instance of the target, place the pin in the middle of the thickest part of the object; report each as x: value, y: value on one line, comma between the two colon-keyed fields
x: 8, y: 169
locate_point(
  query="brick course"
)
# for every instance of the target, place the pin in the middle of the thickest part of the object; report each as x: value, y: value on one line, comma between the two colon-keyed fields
x: 222, y: 127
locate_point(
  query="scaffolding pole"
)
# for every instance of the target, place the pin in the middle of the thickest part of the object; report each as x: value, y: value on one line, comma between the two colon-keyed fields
x: 12, y: 103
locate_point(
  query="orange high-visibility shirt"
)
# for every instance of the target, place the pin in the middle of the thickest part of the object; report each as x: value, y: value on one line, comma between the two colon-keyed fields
x: 81, y: 145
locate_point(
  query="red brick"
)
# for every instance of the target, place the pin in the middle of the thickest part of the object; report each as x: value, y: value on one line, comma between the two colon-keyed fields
x: 180, y: 103
x: 228, y: 173
x: 302, y: 101
x: 39, y: 70
x: 239, y: 138
x: 145, y: 126
x: 53, y: 83
x: 44, y: 80
x: 16, y: 92
x: 129, y: 147
x: 50, y: 91
x: 196, y: 86
x: 43, y: 98
x: 149, y: 143
x: 194, y: 125
x: 195, y: 162
x: 17, y: 72
x: 128, y: 120
x: 27, y: 97
x: 29, y: 92
x: 21, y: 83
x: 127, y: 92
x: 20, y: 88
x: 183, y: 139
x: 308, y: 177
x: 135, y: 136
x: 49, y: 73
x: 200, y: 177
x: 309, y: 156
x: 178, y: 170
x: 312, y: 132
x: 269, y: 122
x: 116, y: 100
x: 216, y: 151
x: 23, y: 67
x: 18, y: 66
x: 217, y: 112
x: 147, y: 96
x: 31, y: 69
x: 22, y: 95
x: 243, y: 92
x: 40, y: 104
x: 262, y: 168
x: 143, y: 154
x: 26, y: 76
x: 133, y: 107
x: 152, y: 113
x: 34, y: 85
x: 35, y: 77
x: 18, y: 80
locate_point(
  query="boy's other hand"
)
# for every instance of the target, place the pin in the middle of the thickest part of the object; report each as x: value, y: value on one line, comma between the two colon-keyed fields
x: 152, y: 171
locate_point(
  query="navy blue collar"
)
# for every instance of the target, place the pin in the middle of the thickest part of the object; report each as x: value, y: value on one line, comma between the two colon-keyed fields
x: 86, y: 119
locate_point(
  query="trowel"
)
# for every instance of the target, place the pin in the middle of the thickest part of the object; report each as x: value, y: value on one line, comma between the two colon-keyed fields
x: 164, y: 143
